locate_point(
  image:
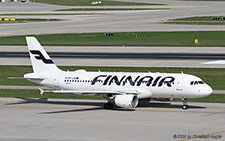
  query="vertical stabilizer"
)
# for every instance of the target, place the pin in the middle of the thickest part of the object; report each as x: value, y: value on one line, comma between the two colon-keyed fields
x: 41, y: 62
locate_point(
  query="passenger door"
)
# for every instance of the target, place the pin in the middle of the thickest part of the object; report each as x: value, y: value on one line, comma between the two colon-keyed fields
x: 179, y: 84
x: 56, y: 81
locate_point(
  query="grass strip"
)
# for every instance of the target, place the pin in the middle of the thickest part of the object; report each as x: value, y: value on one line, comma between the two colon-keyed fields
x: 215, y: 77
x: 206, y: 38
x: 202, y: 0
x: 110, y: 9
x: 219, y: 98
x: 198, y: 23
x: 202, y: 18
x: 29, y: 20
x: 205, y: 20
x: 37, y: 14
x: 89, y: 3
x: 36, y: 94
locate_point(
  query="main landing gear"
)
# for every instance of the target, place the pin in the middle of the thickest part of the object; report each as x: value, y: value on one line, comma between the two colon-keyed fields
x: 185, y: 105
x: 108, y: 106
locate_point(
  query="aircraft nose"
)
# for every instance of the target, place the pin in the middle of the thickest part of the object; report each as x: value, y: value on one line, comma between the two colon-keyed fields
x: 207, y: 90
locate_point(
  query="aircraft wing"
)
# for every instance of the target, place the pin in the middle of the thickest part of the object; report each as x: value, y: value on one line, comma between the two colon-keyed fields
x: 115, y: 92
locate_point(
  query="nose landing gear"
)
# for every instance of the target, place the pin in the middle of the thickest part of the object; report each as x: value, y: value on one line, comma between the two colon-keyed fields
x: 185, y: 105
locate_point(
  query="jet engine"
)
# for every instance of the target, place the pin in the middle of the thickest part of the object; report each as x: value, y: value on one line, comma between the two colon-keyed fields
x: 126, y: 101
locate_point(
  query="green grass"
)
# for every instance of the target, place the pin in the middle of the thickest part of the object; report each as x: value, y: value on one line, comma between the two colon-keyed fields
x: 202, y: 0
x: 219, y: 98
x: 215, y: 77
x: 36, y: 94
x: 206, y: 38
x: 88, y: 3
x: 15, y: 71
x: 205, y: 20
x: 29, y: 20
x: 198, y: 23
x: 109, y: 9
x: 35, y: 14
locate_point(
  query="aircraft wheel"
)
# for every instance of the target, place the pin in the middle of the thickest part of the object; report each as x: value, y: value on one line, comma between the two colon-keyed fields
x: 108, y: 106
x: 184, y: 107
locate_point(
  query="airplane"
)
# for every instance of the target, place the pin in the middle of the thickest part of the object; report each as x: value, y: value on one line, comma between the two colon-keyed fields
x: 121, y: 89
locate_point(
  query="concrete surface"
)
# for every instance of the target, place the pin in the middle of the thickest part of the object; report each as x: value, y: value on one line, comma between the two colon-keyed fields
x: 112, y: 21
x: 85, y: 120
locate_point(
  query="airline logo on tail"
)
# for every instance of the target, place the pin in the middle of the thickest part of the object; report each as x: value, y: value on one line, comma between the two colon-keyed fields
x: 41, y: 57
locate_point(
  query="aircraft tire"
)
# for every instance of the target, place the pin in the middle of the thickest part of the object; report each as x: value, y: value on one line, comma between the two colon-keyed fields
x: 108, y: 106
x: 185, y: 107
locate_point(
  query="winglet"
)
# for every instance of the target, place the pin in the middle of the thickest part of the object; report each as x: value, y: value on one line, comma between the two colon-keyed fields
x: 42, y: 91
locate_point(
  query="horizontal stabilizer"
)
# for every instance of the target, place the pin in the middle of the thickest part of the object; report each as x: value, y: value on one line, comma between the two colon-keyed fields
x: 33, y: 76
x: 15, y: 77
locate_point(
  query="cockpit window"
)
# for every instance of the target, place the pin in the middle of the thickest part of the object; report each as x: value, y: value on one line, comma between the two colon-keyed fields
x: 200, y: 82
x: 196, y: 82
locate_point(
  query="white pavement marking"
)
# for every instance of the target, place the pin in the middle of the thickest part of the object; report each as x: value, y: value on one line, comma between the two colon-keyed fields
x: 219, y: 62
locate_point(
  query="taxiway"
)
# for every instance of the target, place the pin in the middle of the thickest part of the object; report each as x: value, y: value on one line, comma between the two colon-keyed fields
x: 82, y: 120
x: 110, y: 21
x: 120, y: 56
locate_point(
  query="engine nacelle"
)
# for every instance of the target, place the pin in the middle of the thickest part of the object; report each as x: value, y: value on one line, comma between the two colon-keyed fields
x: 126, y: 101
x: 163, y: 99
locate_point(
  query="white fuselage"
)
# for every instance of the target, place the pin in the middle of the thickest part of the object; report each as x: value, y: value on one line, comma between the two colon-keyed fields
x: 155, y: 85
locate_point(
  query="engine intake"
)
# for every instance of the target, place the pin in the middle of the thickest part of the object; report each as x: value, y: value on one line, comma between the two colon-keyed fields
x: 126, y: 101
